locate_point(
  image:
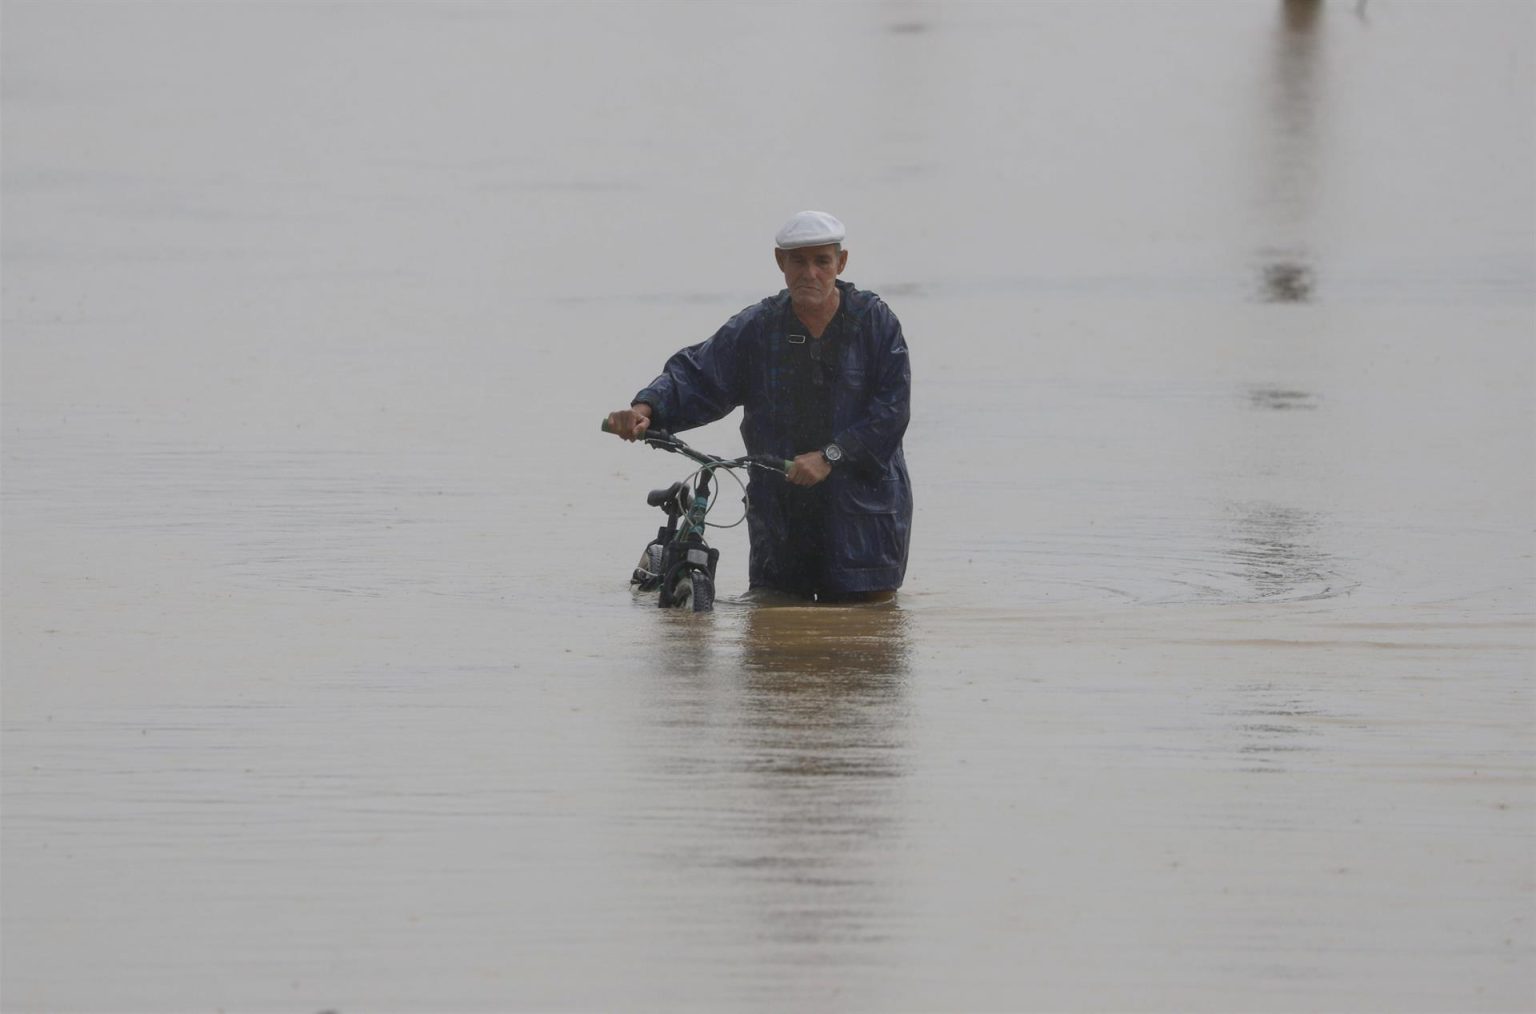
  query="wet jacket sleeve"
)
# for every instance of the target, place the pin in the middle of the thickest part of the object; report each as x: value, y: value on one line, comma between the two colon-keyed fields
x: 871, y: 441
x: 700, y: 384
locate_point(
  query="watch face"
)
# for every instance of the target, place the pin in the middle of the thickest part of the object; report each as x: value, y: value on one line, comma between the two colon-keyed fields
x: 833, y: 453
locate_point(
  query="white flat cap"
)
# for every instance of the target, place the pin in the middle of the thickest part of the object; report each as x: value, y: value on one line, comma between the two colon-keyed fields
x: 809, y: 228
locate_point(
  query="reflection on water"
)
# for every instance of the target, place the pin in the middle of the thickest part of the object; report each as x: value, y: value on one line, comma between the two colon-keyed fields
x: 1290, y: 154
x: 861, y: 644
x: 1274, y: 550
x: 789, y: 768
x: 1274, y: 723
x: 1279, y: 399
x: 1286, y: 280
x: 824, y: 688
x: 823, y: 737
x: 1300, y: 17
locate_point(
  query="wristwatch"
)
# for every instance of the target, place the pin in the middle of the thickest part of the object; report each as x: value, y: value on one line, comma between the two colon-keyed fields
x: 832, y: 453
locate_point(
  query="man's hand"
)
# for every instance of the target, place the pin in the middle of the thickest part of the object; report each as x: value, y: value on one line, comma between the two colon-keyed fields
x: 808, y: 469
x: 630, y: 423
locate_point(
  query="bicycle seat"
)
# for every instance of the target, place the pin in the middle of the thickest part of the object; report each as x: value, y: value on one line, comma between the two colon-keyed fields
x: 657, y: 497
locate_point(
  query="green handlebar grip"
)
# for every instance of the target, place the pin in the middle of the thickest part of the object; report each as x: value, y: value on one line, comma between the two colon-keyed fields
x: 605, y: 425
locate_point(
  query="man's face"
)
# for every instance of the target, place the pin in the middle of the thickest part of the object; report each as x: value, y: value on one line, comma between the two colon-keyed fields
x: 810, y: 273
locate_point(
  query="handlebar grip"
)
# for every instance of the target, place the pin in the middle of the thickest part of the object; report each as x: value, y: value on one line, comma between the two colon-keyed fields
x: 606, y: 427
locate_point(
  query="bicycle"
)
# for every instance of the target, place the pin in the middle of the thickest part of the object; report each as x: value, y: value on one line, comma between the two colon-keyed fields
x: 679, y: 564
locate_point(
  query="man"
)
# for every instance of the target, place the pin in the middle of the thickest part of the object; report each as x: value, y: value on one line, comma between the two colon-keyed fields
x: 821, y: 373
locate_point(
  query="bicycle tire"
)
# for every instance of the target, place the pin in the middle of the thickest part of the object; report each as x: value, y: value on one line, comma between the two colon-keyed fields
x: 647, y: 574
x: 703, y: 592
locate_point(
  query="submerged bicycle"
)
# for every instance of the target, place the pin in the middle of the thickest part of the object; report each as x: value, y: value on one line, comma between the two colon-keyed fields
x: 679, y: 564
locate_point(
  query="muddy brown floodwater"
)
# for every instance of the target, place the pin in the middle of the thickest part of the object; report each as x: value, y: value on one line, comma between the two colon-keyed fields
x: 1211, y: 685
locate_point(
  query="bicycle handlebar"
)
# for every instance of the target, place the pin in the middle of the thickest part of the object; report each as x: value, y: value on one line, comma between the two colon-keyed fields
x: 666, y: 441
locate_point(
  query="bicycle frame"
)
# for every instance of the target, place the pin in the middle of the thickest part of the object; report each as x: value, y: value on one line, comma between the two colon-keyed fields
x: 684, y: 548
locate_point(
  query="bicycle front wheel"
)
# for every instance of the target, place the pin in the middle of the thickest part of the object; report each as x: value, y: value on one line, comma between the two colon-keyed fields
x: 703, y: 591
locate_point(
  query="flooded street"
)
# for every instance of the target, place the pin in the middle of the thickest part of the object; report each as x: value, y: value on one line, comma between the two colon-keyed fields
x: 1211, y: 685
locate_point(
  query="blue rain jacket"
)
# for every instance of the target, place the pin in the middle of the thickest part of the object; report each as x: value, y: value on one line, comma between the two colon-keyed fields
x: 869, y: 495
